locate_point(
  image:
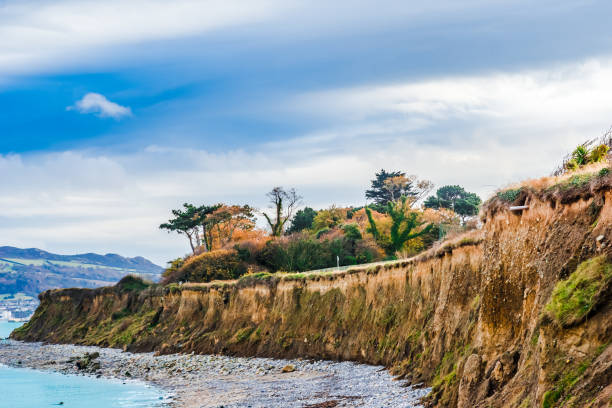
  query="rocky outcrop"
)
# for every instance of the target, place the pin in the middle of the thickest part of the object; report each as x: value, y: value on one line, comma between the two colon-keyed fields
x: 471, y: 318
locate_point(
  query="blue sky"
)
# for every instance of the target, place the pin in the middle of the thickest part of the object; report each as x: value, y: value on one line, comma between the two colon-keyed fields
x: 112, y: 113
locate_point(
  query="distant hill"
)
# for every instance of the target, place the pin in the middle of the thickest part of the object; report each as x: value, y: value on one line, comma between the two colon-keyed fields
x: 32, y: 270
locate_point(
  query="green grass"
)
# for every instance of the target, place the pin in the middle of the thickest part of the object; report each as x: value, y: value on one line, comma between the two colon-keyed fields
x: 244, y: 334
x: 573, y: 298
x: 509, y: 195
x: 576, y: 181
x: 564, y: 385
x: 255, y: 277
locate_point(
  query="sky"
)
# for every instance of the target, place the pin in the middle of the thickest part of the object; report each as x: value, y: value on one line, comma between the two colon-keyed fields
x: 113, y: 113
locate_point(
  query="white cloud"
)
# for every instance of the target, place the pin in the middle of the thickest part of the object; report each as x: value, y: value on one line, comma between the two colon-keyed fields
x: 558, y: 94
x: 98, y: 104
x: 39, y: 36
x: 480, y: 132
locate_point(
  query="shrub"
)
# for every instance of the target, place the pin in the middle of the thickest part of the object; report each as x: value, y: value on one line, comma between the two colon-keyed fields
x: 329, y: 218
x: 216, y: 265
x: 604, y: 172
x: 598, y: 153
x: 173, y: 267
x: 351, y: 231
x: 574, y: 298
x: 320, y: 233
x: 582, y: 156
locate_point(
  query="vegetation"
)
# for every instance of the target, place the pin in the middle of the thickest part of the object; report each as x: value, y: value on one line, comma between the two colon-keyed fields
x: 132, y: 283
x: 573, y: 298
x: 302, y: 220
x: 403, y: 226
x: 455, y: 198
x: 188, y: 221
x: 329, y: 218
x: 388, y: 187
x: 284, y: 203
x: 565, y: 378
x: 509, y: 195
x: 582, y: 156
x: 305, y: 239
x: 209, y: 266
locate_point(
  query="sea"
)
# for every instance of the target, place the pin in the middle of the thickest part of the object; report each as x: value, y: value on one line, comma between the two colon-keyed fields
x: 27, y: 388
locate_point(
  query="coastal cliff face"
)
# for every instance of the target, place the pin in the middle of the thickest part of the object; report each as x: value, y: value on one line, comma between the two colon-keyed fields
x: 517, y: 314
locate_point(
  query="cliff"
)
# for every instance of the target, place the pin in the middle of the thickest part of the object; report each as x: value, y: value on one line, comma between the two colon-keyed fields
x: 517, y: 314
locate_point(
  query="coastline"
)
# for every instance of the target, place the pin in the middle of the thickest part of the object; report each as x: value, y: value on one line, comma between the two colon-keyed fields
x: 198, y: 381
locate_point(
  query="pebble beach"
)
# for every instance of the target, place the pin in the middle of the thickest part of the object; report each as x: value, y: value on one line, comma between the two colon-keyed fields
x: 198, y: 381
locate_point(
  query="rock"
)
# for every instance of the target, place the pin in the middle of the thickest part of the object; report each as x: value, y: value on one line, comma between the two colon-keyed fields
x: 498, y: 372
x: 472, y: 372
x: 288, y: 368
x: 472, y: 369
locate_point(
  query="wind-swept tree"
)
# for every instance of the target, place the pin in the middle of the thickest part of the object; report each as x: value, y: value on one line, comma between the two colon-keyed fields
x: 283, y: 202
x: 192, y: 221
x: 405, y: 225
x: 186, y: 222
x: 455, y: 198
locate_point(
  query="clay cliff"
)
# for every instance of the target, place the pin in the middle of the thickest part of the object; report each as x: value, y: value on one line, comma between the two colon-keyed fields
x: 516, y: 314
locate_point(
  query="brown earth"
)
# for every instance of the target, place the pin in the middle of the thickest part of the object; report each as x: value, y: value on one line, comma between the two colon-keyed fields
x: 468, y: 318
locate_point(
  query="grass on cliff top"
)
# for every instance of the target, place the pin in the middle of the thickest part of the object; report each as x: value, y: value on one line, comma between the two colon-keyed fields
x: 574, y: 298
x: 563, y: 183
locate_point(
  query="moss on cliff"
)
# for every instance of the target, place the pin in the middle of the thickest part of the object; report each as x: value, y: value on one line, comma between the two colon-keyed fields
x: 574, y: 298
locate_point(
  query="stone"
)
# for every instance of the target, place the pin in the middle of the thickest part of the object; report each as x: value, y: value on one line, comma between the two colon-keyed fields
x: 288, y: 368
x: 472, y: 372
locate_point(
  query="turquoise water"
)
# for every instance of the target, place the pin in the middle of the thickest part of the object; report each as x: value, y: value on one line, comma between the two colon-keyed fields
x: 26, y: 388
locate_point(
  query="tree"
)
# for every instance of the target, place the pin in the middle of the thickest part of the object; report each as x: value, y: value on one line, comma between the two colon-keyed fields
x: 381, y: 192
x: 390, y: 186
x: 302, y: 220
x: 455, y: 198
x: 185, y: 222
x: 284, y: 203
x: 208, y: 226
x: 224, y: 221
x: 203, y: 213
x: 329, y: 218
x: 404, y: 222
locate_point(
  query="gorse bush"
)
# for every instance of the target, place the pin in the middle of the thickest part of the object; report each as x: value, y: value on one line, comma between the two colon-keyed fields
x: 216, y: 265
x: 303, y: 252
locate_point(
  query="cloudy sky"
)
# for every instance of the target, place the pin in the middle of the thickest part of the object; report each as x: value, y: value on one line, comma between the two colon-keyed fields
x: 112, y: 113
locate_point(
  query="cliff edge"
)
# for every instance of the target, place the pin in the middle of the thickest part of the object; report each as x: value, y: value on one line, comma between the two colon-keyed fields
x: 517, y: 314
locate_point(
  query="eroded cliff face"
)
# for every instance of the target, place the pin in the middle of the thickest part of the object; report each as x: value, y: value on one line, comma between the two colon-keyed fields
x: 469, y: 318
